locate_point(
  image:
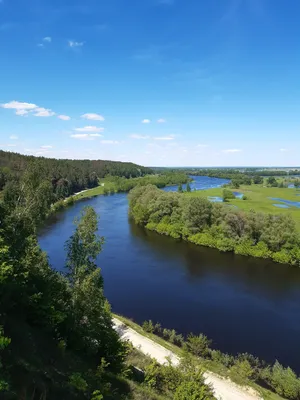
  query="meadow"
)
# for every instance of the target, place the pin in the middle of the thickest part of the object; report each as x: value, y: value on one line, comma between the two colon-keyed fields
x: 259, y: 198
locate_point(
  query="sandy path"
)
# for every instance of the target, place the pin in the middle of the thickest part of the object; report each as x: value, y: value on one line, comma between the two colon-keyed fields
x: 224, y: 389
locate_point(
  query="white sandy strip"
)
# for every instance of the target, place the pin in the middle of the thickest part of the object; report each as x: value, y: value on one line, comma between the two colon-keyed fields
x: 224, y: 389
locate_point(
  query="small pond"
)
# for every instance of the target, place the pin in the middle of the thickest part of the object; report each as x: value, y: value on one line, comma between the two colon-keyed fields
x: 238, y: 195
x: 281, y: 205
x: 215, y: 199
x: 287, y: 202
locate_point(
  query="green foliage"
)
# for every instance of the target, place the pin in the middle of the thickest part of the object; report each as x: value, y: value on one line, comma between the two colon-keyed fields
x: 188, y: 187
x: 148, y: 326
x: 192, y: 391
x: 216, y: 225
x: 228, y: 195
x: 283, y: 380
x: 198, y: 345
x: 180, y: 189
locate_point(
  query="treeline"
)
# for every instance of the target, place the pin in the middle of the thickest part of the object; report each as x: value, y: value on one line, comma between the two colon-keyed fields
x: 231, y: 173
x: 199, y: 221
x: 243, y: 368
x: 66, y: 176
x: 56, y: 339
x: 119, y: 184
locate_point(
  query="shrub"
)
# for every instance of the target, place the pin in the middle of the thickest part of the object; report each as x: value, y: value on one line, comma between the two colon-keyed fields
x: 193, y: 391
x: 284, y: 381
x: 228, y: 195
x: 198, y: 345
x: 242, y: 369
x: 148, y: 326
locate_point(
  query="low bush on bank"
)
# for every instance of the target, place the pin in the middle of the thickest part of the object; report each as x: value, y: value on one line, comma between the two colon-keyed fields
x: 243, y: 368
x: 199, y: 221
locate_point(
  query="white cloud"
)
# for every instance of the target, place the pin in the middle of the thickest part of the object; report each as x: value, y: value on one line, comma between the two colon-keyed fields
x: 85, y: 136
x: 21, y: 113
x: 47, y: 147
x: 13, y: 137
x: 164, y: 138
x: 146, y: 121
x: 43, y: 112
x: 201, y: 145
x: 11, y: 145
x: 93, y: 117
x: 161, y: 121
x: 47, y: 39
x: 228, y: 151
x: 24, y: 108
x: 40, y: 45
x: 64, y: 117
x: 136, y: 136
x: 17, y: 105
x: 110, y: 142
x: 283, y: 150
x: 89, y: 129
x: 73, y: 44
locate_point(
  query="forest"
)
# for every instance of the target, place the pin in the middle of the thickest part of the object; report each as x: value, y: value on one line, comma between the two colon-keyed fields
x: 56, y: 332
x: 245, y: 174
x: 66, y: 176
x: 216, y: 225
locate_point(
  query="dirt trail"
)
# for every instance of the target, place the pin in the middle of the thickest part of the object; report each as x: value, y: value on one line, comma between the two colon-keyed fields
x: 224, y: 389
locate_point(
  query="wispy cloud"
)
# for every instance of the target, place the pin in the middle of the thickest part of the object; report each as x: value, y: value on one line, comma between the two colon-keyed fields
x: 47, y: 39
x: 13, y: 137
x: 45, y: 147
x: 64, y: 117
x: 23, y: 109
x: 74, y: 44
x: 18, y: 105
x: 93, y: 117
x: 161, y: 121
x: 146, y: 121
x: 137, y: 136
x: 89, y: 129
x: 85, y: 136
x: 283, y: 150
x: 228, y: 151
x: 43, y: 112
x: 202, y: 145
x: 110, y: 142
x: 170, y: 137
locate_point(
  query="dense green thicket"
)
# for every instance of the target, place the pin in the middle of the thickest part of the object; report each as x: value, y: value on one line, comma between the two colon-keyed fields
x: 56, y: 337
x: 199, y: 221
x: 66, y: 176
x: 243, y: 368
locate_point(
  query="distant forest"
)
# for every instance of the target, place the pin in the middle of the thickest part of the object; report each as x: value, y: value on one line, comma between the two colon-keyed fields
x: 67, y: 176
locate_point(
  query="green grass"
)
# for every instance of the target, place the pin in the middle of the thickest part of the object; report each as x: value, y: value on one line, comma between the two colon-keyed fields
x: 258, y: 199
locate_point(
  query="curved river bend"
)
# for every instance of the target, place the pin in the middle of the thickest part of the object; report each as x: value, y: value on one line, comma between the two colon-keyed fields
x: 243, y: 304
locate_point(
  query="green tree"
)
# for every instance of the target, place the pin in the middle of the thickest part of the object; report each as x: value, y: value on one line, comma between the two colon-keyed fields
x: 198, y: 345
x: 180, y: 189
x: 188, y: 187
x: 228, y: 195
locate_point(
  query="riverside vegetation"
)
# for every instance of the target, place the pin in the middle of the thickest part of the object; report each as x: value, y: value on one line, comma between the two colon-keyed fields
x: 199, y: 221
x: 56, y: 333
x: 243, y: 368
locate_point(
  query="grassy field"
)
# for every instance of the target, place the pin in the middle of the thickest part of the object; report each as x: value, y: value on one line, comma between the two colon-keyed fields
x: 258, y: 199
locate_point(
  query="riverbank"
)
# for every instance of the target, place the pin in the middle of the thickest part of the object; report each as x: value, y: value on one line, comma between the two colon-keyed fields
x: 197, y: 220
x: 215, y: 373
x: 260, y: 198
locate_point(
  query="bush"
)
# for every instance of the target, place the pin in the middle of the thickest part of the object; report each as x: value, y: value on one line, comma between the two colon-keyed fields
x: 283, y: 380
x: 242, y: 370
x: 148, y: 326
x: 198, y: 345
x: 193, y: 391
x: 228, y: 195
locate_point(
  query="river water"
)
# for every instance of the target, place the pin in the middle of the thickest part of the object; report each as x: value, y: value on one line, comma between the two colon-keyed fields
x: 243, y: 304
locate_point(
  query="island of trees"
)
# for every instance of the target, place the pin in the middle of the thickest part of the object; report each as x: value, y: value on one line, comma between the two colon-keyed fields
x: 199, y: 221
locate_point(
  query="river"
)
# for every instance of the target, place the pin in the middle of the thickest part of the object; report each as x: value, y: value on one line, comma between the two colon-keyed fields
x: 243, y: 304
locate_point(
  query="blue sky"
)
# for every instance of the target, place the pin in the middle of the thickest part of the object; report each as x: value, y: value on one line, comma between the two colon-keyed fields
x: 157, y: 82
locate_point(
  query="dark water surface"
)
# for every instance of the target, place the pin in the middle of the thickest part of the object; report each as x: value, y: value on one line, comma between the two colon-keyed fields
x: 243, y: 304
